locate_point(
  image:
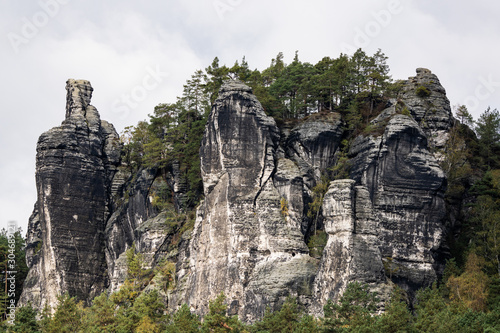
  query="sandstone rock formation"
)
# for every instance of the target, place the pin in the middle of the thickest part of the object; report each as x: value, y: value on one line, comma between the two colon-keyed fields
x: 406, y: 188
x: 313, y: 143
x: 426, y: 99
x: 131, y: 209
x: 352, y: 252
x: 384, y: 225
x: 75, y: 164
x: 244, y: 242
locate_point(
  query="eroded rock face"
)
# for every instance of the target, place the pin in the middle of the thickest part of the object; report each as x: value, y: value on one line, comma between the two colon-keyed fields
x: 131, y: 208
x: 426, y: 99
x: 249, y: 235
x: 74, y: 165
x: 244, y: 243
x: 313, y: 143
x: 352, y: 252
x: 310, y: 149
x: 406, y: 187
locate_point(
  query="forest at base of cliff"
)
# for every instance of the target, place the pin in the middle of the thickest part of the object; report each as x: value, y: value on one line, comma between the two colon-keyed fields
x: 465, y: 299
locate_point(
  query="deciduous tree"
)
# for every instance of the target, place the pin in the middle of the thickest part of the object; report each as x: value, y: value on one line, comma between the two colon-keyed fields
x: 470, y: 289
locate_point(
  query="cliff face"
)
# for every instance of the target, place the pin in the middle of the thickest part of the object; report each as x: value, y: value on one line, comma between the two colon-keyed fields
x: 384, y: 224
x: 426, y: 100
x: 353, y: 251
x: 74, y: 166
x: 243, y: 243
x: 406, y: 188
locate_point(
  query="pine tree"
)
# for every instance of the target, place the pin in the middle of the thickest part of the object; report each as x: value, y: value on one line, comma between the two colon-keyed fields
x: 342, y: 80
x: 25, y: 321
x: 101, y: 316
x: 273, y: 72
x: 325, y: 79
x: 358, y: 71
x: 432, y: 313
x: 485, y: 220
x: 240, y: 72
x: 217, y: 320
x: 397, y: 317
x: 288, y: 319
x: 470, y: 289
x: 183, y: 321
x: 135, y: 264
x: 488, y: 131
x: 377, y: 72
x: 67, y: 317
x: 354, y: 310
x: 463, y: 115
x: 195, y: 95
x: 216, y: 75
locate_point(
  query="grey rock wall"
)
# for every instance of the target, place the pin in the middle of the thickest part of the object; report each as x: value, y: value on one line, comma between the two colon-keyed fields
x: 74, y: 165
x: 406, y: 187
x: 313, y: 143
x: 243, y: 244
x: 352, y: 252
x: 432, y: 112
x: 131, y: 208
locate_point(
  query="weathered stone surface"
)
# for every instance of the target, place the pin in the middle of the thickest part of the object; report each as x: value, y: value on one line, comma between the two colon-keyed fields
x: 150, y: 236
x: 249, y: 236
x: 33, y: 237
x: 132, y: 208
x: 433, y: 112
x: 74, y: 164
x: 179, y: 186
x: 406, y: 188
x: 33, y: 246
x: 242, y: 243
x: 289, y: 182
x: 90, y: 209
x: 352, y: 252
x: 312, y: 144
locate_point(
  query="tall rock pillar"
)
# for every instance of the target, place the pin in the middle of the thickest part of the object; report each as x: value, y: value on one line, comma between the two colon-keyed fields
x: 245, y: 243
x: 74, y: 166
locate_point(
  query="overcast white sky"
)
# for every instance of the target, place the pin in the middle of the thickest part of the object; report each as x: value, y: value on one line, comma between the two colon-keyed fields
x: 147, y: 50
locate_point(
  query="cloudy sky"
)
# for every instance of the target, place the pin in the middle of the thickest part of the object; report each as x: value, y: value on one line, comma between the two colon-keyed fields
x: 147, y: 49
